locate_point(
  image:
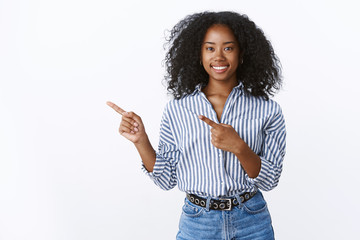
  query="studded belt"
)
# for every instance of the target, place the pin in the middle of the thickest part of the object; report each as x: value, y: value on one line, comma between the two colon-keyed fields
x: 225, y: 204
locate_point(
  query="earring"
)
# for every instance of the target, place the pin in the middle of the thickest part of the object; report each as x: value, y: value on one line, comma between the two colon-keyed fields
x: 242, y: 61
x: 200, y: 63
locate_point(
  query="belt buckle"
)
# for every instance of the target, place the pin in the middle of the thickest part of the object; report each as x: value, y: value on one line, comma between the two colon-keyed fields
x: 228, y: 205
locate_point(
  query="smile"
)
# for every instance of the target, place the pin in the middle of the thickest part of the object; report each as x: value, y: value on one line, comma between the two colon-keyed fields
x: 220, y: 67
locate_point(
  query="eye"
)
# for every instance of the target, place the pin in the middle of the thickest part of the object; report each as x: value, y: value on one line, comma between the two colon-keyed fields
x: 209, y: 48
x: 228, y: 49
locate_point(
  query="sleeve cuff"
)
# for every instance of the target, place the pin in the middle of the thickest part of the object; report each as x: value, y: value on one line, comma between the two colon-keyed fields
x: 263, y: 174
x: 158, y: 168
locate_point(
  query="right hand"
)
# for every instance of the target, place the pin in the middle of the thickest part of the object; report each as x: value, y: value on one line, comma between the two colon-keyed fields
x: 131, y: 126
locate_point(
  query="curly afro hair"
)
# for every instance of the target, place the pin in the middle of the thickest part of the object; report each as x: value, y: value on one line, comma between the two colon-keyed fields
x: 260, y: 72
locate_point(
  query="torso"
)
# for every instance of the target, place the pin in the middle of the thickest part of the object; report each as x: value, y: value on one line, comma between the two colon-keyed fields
x: 190, y: 138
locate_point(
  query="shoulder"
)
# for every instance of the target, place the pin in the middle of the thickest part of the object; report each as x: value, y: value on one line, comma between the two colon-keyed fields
x: 262, y: 107
x: 181, y: 102
x: 172, y: 106
x: 273, y: 106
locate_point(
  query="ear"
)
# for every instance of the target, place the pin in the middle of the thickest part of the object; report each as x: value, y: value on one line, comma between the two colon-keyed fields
x: 241, y: 54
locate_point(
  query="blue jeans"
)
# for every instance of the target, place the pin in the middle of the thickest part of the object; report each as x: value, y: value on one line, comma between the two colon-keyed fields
x: 248, y: 221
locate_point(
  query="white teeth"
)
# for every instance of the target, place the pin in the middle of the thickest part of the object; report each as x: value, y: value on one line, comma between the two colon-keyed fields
x: 219, y: 68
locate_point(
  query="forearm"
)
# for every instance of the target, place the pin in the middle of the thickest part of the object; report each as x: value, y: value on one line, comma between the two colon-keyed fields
x: 147, y: 153
x: 249, y: 160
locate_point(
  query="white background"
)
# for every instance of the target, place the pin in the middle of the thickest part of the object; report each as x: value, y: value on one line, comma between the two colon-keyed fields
x: 66, y: 173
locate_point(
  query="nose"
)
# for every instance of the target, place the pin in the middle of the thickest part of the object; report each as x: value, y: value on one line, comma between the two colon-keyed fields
x: 219, y: 56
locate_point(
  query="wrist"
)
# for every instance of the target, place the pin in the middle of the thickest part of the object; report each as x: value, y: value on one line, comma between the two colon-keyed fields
x: 239, y: 146
x: 142, y: 141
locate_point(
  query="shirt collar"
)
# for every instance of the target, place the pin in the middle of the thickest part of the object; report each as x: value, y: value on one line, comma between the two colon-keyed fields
x: 198, y: 88
x: 239, y: 87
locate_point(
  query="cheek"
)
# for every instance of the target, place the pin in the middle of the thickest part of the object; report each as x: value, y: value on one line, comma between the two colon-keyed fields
x: 235, y: 59
x: 207, y: 68
x: 205, y: 58
x: 206, y: 65
x: 235, y: 63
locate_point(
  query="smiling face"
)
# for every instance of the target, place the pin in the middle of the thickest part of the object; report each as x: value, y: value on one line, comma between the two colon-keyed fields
x: 220, y: 53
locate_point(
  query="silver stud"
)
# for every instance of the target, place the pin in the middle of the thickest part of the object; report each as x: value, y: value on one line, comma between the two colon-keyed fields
x: 202, y: 203
x: 197, y: 201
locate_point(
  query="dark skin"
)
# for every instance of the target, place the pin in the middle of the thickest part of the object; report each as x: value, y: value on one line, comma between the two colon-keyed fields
x: 219, y: 56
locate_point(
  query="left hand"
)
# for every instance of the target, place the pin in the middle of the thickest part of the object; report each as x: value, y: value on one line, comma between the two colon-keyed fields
x: 223, y: 136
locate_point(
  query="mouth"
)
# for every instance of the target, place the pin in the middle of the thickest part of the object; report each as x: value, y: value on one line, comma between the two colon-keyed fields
x: 220, y: 69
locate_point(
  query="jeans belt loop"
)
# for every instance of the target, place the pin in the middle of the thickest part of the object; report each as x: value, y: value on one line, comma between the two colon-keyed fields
x: 238, y: 199
x: 208, y: 203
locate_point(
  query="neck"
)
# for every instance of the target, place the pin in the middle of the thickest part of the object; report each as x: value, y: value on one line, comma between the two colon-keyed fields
x: 219, y: 87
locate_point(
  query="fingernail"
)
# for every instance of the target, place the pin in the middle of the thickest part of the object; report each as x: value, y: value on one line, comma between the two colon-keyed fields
x: 132, y: 132
x: 135, y: 124
x: 136, y: 130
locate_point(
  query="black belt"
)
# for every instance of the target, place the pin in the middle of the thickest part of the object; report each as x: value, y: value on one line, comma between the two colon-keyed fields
x: 221, y: 203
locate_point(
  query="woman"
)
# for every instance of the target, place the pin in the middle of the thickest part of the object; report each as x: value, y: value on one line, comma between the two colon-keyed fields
x: 222, y: 139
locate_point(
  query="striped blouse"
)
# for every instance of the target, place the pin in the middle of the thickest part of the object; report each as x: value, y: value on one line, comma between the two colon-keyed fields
x: 186, y: 157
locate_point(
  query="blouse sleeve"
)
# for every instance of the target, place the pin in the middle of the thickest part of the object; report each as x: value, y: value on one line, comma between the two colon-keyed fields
x: 164, y: 172
x: 272, y: 153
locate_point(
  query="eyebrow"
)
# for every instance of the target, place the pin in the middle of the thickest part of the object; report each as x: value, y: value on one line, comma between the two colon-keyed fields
x: 223, y: 43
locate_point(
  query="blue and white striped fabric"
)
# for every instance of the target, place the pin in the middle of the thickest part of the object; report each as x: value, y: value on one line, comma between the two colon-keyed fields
x: 187, y: 158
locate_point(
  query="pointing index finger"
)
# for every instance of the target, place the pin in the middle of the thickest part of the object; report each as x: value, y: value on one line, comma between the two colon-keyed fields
x: 115, y: 107
x: 208, y: 121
